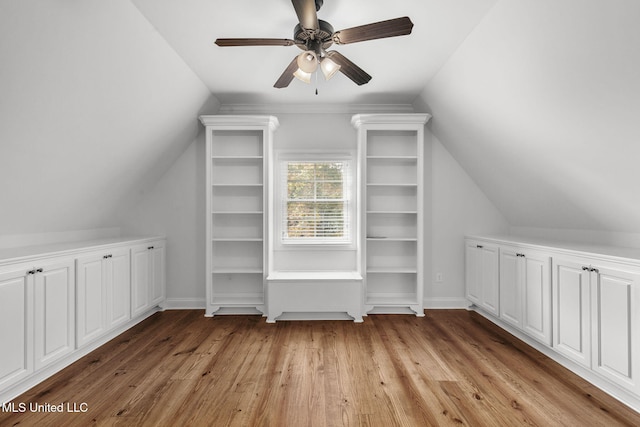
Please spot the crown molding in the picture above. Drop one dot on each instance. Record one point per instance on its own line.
(315, 108)
(240, 120)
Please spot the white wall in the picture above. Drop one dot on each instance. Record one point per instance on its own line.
(175, 208)
(311, 132)
(539, 105)
(94, 107)
(459, 208)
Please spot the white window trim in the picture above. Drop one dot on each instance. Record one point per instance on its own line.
(284, 156)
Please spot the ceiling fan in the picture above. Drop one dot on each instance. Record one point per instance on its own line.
(314, 36)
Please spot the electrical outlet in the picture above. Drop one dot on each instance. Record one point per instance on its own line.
(438, 277)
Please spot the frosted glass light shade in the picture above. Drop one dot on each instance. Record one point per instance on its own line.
(329, 68)
(308, 61)
(301, 75)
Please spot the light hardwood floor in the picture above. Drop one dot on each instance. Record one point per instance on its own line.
(451, 367)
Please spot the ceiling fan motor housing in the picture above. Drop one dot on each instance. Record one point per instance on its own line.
(320, 39)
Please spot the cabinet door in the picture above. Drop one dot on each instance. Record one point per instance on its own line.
(490, 280)
(482, 276)
(473, 272)
(16, 309)
(140, 279)
(54, 312)
(571, 313)
(536, 292)
(510, 286)
(119, 288)
(616, 325)
(91, 298)
(157, 273)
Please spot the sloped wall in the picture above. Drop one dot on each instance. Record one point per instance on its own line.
(94, 107)
(539, 105)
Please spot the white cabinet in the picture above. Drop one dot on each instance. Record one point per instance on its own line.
(391, 148)
(37, 317)
(482, 275)
(597, 317)
(57, 302)
(525, 291)
(54, 327)
(572, 307)
(103, 293)
(147, 276)
(581, 303)
(16, 325)
(237, 150)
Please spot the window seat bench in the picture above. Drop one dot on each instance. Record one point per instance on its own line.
(309, 295)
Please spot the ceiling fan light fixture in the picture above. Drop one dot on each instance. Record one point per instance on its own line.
(308, 61)
(329, 68)
(302, 76)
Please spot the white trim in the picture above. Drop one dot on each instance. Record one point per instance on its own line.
(241, 122)
(611, 389)
(390, 119)
(445, 303)
(314, 108)
(17, 389)
(314, 275)
(185, 304)
(277, 197)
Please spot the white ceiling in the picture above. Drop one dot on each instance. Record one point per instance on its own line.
(400, 66)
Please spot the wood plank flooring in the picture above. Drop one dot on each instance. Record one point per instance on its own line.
(451, 367)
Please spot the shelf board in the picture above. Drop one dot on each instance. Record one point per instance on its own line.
(237, 212)
(237, 239)
(383, 270)
(237, 270)
(237, 157)
(391, 239)
(237, 185)
(391, 300)
(393, 157)
(390, 184)
(238, 299)
(392, 212)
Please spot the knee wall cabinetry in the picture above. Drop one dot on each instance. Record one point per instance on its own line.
(582, 304)
(59, 302)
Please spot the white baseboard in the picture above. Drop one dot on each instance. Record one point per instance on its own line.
(603, 384)
(36, 378)
(184, 304)
(446, 303)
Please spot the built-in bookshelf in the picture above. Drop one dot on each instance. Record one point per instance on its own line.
(236, 171)
(391, 158)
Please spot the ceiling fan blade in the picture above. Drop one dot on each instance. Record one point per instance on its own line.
(349, 69)
(377, 30)
(287, 76)
(254, 42)
(306, 11)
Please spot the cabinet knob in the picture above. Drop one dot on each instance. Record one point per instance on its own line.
(479, 246)
(150, 247)
(39, 270)
(31, 272)
(585, 268)
(594, 270)
(106, 256)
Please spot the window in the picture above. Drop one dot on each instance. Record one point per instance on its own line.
(316, 205)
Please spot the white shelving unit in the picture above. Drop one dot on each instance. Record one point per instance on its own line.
(391, 150)
(236, 173)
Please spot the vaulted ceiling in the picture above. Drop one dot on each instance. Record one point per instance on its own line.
(400, 66)
(537, 100)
